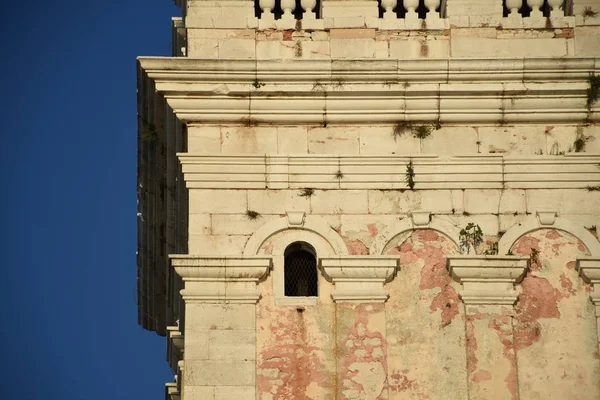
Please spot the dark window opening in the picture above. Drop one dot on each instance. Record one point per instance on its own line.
(300, 270)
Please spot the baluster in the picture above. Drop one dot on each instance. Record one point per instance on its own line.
(513, 7)
(267, 7)
(288, 8)
(535, 6)
(308, 6)
(432, 5)
(411, 9)
(388, 6)
(555, 10)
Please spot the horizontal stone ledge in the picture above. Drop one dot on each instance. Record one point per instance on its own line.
(191, 267)
(487, 268)
(162, 69)
(273, 171)
(359, 268)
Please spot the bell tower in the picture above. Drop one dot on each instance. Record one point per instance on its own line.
(360, 199)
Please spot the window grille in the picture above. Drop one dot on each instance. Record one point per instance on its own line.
(300, 270)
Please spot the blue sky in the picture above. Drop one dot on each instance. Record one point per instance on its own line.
(68, 168)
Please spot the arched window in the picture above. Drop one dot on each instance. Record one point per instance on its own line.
(300, 270)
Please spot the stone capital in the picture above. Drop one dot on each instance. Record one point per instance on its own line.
(589, 271)
(488, 279)
(359, 278)
(220, 279)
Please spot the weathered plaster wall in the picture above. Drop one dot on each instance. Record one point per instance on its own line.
(555, 333)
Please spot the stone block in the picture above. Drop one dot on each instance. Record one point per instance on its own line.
(292, 140)
(486, 47)
(450, 141)
(315, 49)
(482, 201)
(397, 202)
(235, 392)
(231, 245)
(237, 49)
(380, 140)
(266, 50)
(199, 224)
(277, 201)
(564, 202)
(213, 14)
(587, 41)
(199, 392)
(219, 373)
(196, 346)
(232, 344)
(249, 140)
(238, 224)
(512, 201)
(352, 48)
(339, 201)
(217, 201)
(203, 48)
(204, 139)
(411, 48)
(201, 317)
(512, 140)
(338, 140)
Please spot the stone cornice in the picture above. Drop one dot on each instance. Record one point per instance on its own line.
(359, 278)
(220, 279)
(375, 91)
(488, 279)
(274, 171)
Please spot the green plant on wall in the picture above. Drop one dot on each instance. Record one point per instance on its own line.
(307, 192)
(593, 91)
(410, 175)
(470, 237)
(252, 215)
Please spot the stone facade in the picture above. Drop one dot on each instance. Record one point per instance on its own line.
(440, 158)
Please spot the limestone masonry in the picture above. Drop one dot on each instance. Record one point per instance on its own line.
(369, 200)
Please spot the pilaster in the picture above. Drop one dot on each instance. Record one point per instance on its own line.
(489, 295)
(220, 298)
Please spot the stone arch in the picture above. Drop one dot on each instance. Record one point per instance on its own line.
(311, 224)
(531, 223)
(401, 226)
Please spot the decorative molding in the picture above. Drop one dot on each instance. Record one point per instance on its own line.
(546, 217)
(359, 278)
(531, 223)
(174, 346)
(506, 90)
(488, 279)
(311, 223)
(220, 279)
(295, 218)
(421, 218)
(405, 225)
(273, 171)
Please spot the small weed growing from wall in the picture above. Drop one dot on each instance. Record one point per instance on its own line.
(593, 188)
(399, 128)
(421, 131)
(591, 228)
(492, 249)
(252, 215)
(588, 13)
(339, 174)
(470, 237)
(510, 253)
(593, 91)
(257, 84)
(307, 192)
(534, 256)
(337, 84)
(298, 49)
(410, 175)
(149, 133)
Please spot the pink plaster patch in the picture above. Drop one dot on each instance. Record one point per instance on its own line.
(355, 247)
(553, 234)
(373, 231)
(481, 375)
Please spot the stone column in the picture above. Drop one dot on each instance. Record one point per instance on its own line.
(360, 322)
(489, 295)
(589, 270)
(219, 328)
